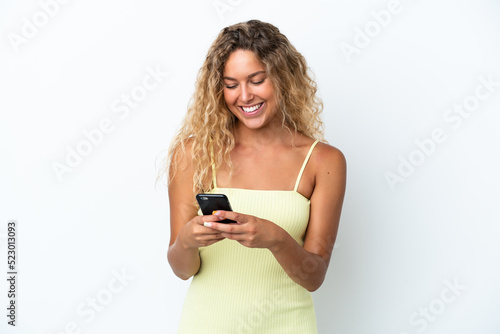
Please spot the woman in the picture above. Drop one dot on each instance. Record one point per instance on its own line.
(252, 132)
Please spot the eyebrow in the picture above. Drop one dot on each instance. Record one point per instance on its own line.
(249, 77)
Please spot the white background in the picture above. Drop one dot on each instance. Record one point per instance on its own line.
(398, 247)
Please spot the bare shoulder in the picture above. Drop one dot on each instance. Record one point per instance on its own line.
(327, 158)
(182, 151)
(329, 166)
(181, 171)
(182, 158)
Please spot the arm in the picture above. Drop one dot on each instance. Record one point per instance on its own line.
(306, 265)
(187, 232)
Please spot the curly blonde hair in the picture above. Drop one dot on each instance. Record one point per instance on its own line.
(208, 125)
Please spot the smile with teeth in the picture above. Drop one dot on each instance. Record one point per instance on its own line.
(252, 108)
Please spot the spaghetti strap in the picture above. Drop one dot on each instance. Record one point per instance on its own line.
(304, 165)
(214, 178)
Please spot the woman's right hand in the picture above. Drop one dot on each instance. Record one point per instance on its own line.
(183, 253)
(187, 233)
(194, 234)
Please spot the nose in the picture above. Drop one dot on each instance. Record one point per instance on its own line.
(246, 94)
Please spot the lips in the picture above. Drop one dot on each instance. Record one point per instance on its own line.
(251, 109)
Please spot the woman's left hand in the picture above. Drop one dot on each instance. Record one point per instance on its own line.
(249, 230)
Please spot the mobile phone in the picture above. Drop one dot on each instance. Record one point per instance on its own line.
(212, 202)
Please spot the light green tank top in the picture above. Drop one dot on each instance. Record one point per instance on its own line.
(245, 290)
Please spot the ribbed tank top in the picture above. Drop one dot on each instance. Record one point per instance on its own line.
(245, 290)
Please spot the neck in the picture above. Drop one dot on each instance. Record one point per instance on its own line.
(273, 133)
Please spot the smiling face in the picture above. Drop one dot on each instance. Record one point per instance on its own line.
(248, 91)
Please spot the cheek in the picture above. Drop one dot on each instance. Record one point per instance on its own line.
(267, 91)
(228, 97)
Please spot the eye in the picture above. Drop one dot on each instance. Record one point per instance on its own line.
(258, 82)
(230, 86)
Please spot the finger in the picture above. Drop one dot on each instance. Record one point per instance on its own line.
(210, 231)
(226, 228)
(208, 218)
(206, 230)
(208, 243)
(240, 237)
(216, 237)
(210, 237)
(238, 217)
